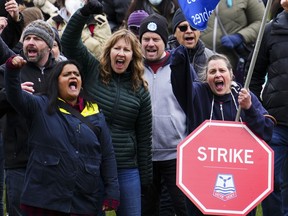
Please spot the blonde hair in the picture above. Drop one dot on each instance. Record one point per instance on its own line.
(136, 65)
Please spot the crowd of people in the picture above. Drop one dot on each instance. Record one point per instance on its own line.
(96, 95)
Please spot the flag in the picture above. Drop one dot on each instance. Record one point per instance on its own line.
(197, 12)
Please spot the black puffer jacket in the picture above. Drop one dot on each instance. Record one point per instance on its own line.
(273, 61)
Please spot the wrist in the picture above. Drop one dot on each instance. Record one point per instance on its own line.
(19, 18)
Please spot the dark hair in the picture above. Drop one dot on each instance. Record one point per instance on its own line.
(52, 90)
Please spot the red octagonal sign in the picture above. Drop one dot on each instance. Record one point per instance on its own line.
(224, 168)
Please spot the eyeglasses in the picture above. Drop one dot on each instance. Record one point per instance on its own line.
(183, 28)
(134, 29)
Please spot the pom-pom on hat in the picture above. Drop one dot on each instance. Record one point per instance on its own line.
(136, 18)
(155, 23)
(41, 29)
(177, 19)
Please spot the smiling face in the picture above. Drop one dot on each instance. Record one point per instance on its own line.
(186, 36)
(153, 47)
(69, 83)
(219, 77)
(121, 56)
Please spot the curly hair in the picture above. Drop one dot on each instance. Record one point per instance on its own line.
(136, 65)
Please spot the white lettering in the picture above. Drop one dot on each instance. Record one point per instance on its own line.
(190, 1)
(231, 155)
(202, 153)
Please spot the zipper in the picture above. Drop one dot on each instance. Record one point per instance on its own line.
(221, 110)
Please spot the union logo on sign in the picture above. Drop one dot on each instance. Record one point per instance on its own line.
(225, 188)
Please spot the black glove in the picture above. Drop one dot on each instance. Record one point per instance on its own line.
(92, 7)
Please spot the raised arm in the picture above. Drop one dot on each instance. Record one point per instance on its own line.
(20, 100)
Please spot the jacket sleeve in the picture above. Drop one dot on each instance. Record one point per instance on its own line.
(144, 139)
(12, 33)
(258, 120)
(5, 51)
(182, 77)
(261, 65)
(21, 101)
(108, 166)
(254, 13)
(73, 47)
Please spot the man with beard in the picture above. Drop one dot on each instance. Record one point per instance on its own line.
(38, 38)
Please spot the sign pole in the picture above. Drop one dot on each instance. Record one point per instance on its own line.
(255, 52)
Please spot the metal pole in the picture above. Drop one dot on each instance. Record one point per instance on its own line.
(255, 52)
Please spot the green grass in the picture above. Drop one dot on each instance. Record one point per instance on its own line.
(259, 211)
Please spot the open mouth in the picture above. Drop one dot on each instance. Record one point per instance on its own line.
(219, 85)
(32, 51)
(189, 39)
(73, 85)
(120, 62)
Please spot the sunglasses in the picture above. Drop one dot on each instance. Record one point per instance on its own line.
(134, 29)
(183, 28)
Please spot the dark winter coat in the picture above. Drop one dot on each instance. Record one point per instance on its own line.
(15, 130)
(68, 164)
(128, 113)
(197, 100)
(272, 61)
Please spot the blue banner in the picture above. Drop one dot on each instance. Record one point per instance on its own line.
(197, 12)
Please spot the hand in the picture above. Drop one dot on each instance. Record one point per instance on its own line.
(244, 99)
(12, 8)
(179, 56)
(92, 7)
(3, 23)
(28, 87)
(18, 62)
(284, 4)
(232, 41)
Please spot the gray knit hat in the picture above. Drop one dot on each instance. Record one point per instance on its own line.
(41, 29)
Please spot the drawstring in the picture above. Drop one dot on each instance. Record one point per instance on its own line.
(235, 105)
(212, 105)
(221, 108)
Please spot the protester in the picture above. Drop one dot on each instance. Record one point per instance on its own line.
(134, 21)
(57, 48)
(215, 97)
(162, 7)
(15, 23)
(271, 71)
(189, 37)
(232, 30)
(117, 84)
(94, 34)
(116, 11)
(67, 160)
(38, 39)
(5, 53)
(169, 122)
